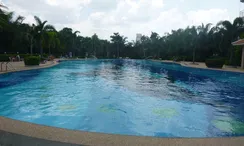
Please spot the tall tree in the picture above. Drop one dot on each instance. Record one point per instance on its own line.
(232, 32)
(41, 28)
(119, 41)
(30, 34)
(52, 40)
(94, 41)
(74, 36)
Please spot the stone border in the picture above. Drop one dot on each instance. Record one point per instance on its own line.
(32, 68)
(33, 134)
(184, 64)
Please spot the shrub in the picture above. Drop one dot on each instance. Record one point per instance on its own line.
(4, 57)
(45, 55)
(215, 62)
(32, 60)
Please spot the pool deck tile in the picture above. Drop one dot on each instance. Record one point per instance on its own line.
(20, 66)
(12, 130)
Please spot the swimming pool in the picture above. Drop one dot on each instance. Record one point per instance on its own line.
(128, 97)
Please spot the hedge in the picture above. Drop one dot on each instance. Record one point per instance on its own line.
(215, 62)
(32, 60)
(4, 58)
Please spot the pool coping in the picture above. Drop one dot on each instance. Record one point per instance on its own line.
(56, 62)
(73, 137)
(53, 63)
(184, 64)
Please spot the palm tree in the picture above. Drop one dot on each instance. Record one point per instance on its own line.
(41, 28)
(118, 40)
(52, 40)
(154, 43)
(232, 31)
(194, 42)
(216, 35)
(2, 20)
(74, 35)
(145, 42)
(204, 32)
(94, 40)
(30, 34)
(7, 18)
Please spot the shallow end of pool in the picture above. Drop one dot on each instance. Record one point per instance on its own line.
(13, 132)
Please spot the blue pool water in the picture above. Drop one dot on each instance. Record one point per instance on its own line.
(129, 97)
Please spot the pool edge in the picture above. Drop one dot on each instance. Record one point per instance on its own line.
(11, 130)
(199, 67)
(54, 63)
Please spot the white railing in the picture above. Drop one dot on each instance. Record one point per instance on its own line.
(6, 66)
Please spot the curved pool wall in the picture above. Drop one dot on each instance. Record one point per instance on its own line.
(129, 97)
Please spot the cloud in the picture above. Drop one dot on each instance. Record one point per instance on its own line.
(107, 16)
(206, 16)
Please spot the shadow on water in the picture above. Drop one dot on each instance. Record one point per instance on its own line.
(11, 79)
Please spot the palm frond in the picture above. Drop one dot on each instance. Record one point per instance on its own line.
(76, 32)
(19, 19)
(38, 20)
(2, 6)
(219, 23)
(10, 16)
(208, 25)
(238, 22)
(227, 25)
(49, 28)
(3, 22)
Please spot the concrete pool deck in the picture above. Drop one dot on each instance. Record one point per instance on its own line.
(20, 66)
(202, 65)
(18, 133)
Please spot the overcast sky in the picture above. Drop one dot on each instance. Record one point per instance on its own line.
(127, 17)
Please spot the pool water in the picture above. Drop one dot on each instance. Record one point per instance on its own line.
(128, 97)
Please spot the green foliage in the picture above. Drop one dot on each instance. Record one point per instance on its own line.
(215, 62)
(193, 43)
(32, 60)
(4, 58)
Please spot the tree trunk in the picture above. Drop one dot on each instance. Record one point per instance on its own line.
(117, 50)
(107, 51)
(31, 46)
(49, 49)
(231, 55)
(158, 53)
(41, 49)
(73, 48)
(220, 44)
(194, 55)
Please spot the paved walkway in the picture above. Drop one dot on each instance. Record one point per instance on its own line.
(203, 66)
(19, 66)
(18, 133)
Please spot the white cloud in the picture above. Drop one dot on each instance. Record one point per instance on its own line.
(68, 3)
(107, 16)
(207, 16)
